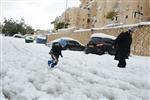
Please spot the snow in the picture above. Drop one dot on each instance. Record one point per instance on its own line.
(64, 38)
(41, 37)
(18, 35)
(122, 26)
(114, 24)
(66, 29)
(82, 30)
(25, 75)
(102, 35)
(29, 37)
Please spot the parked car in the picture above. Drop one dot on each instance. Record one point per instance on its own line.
(41, 39)
(100, 43)
(71, 44)
(29, 39)
(18, 36)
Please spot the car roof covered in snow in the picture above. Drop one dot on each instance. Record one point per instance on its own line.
(17, 35)
(103, 35)
(64, 38)
(41, 37)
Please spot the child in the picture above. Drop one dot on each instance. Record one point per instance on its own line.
(55, 52)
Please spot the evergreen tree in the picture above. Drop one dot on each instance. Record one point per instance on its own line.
(61, 25)
(58, 24)
(12, 27)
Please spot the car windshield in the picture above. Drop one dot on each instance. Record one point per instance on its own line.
(108, 40)
(99, 39)
(96, 39)
(73, 43)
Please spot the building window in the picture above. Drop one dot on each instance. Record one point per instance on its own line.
(115, 18)
(88, 20)
(126, 17)
(137, 14)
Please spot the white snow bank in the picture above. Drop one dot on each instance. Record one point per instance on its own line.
(25, 75)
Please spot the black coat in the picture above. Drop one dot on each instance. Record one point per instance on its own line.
(122, 45)
(56, 50)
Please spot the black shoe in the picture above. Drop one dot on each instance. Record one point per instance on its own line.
(121, 66)
(52, 66)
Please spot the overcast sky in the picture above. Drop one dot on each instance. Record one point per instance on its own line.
(37, 13)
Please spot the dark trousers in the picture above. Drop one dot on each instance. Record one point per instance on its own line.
(55, 58)
(122, 63)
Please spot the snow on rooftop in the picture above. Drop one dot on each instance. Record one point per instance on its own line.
(41, 37)
(103, 35)
(65, 38)
(122, 26)
(66, 29)
(82, 30)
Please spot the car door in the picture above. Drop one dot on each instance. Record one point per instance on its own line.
(73, 45)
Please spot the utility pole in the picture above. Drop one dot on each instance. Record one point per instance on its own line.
(65, 12)
(66, 9)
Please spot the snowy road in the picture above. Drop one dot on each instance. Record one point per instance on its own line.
(25, 75)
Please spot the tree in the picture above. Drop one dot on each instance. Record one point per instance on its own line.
(9, 27)
(61, 25)
(29, 30)
(12, 27)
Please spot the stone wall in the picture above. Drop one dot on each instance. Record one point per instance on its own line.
(82, 36)
(141, 38)
(140, 43)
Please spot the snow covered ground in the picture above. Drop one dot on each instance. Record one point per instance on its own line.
(25, 75)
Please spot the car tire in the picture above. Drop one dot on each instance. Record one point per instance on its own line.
(111, 52)
(101, 52)
(86, 51)
(68, 48)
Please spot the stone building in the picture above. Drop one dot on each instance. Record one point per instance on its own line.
(76, 17)
(94, 13)
(128, 12)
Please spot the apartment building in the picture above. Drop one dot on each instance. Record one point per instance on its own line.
(94, 13)
(76, 17)
(128, 12)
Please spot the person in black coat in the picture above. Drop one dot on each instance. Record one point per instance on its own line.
(122, 46)
(55, 52)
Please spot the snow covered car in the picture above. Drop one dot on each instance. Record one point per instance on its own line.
(18, 36)
(100, 43)
(71, 44)
(41, 39)
(29, 39)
